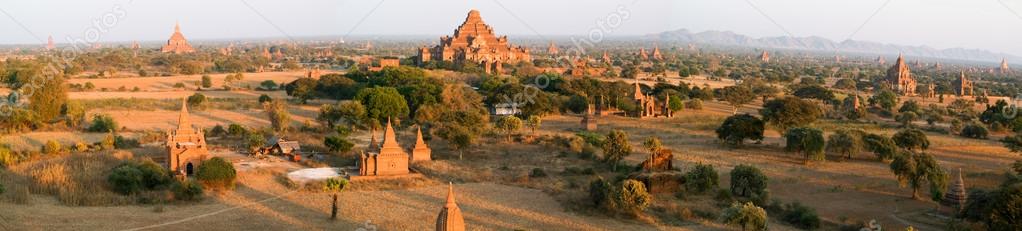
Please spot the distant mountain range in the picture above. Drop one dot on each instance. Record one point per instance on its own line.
(814, 43)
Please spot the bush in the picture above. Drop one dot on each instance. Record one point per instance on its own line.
(702, 178)
(52, 147)
(599, 193)
(265, 98)
(216, 173)
(187, 190)
(975, 131)
(801, 216)
(154, 176)
(748, 181)
(696, 104)
(335, 184)
(217, 131)
(537, 172)
(2, 188)
(102, 123)
(126, 179)
(632, 197)
(747, 216)
(120, 142)
(132, 177)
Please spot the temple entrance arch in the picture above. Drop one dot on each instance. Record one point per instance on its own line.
(189, 169)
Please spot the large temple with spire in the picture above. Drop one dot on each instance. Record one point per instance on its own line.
(387, 160)
(900, 78)
(177, 43)
(186, 146)
(474, 41)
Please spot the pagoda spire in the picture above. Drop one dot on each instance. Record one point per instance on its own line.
(389, 139)
(183, 124)
(450, 218)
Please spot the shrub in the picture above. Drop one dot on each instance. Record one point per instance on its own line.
(103, 123)
(2, 188)
(702, 178)
(801, 216)
(153, 175)
(335, 184)
(218, 131)
(216, 173)
(537, 172)
(696, 104)
(975, 131)
(748, 181)
(52, 147)
(747, 216)
(265, 98)
(187, 190)
(120, 142)
(126, 179)
(599, 193)
(845, 142)
(632, 197)
(236, 130)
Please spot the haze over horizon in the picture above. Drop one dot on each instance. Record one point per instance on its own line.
(936, 23)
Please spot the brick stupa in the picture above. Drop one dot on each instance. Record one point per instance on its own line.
(421, 152)
(177, 43)
(449, 218)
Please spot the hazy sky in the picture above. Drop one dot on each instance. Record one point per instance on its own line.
(984, 24)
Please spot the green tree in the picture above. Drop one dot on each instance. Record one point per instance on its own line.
(197, 101)
(207, 82)
(534, 122)
(383, 103)
(279, 116)
(917, 169)
(736, 96)
(1014, 143)
(790, 112)
(653, 144)
(701, 178)
(616, 147)
(737, 128)
(268, 85)
(911, 139)
(806, 141)
(907, 118)
(886, 99)
(46, 96)
(882, 146)
(103, 123)
(845, 142)
(510, 125)
(303, 89)
(748, 216)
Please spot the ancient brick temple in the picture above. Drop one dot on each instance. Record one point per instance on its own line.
(421, 152)
(474, 41)
(390, 160)
(656, 54)
(956, 195)
(963, 86)
(589, 118)
(899, 77)
(49, 43)
(648, 104)
(1004, 66)
(449, 218)
(177, 43)
(186, 146)
(765, 57)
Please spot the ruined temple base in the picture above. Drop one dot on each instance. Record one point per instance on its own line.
(661, 182)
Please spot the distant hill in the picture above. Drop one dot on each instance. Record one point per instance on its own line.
(822, 44)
